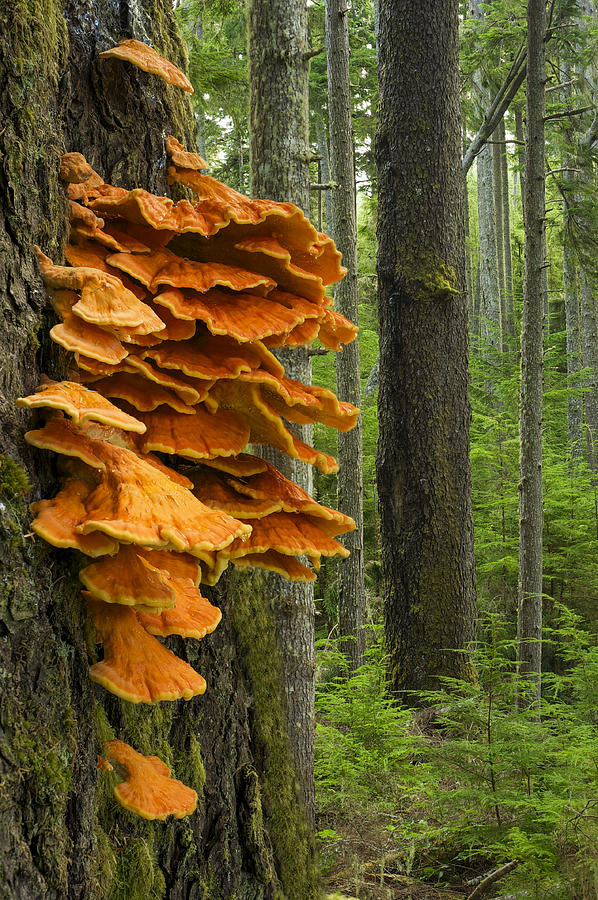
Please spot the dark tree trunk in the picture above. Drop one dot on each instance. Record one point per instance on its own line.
(423, 453)
(278, 95)
(62, 834)
(529, 629)
(351, 600)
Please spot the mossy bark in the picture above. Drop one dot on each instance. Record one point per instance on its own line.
(351, 597)
(62, 833)
(423, 465)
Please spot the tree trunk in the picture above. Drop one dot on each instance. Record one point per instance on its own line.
(574, 401)
(351, 600)
(325, 168)
(589, 353)
(468, 269)
(62, 833)
(509, 320)
(529, 654)
(489, 228)
(499, 226)
(278, 96)
(424, 477)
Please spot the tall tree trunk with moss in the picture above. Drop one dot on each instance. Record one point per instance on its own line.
(278, 95)
(424, 478)
(529, 629)
(351, 600)
(62, 832)
(488, 168)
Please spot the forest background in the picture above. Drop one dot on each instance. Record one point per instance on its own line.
(478, 783)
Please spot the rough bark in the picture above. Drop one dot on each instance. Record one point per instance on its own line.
(62, 835)
(351, 600)
(529, 652)
(278, 97)
(423, 453)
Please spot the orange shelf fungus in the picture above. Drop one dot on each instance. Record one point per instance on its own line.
(144, 395)
(170, 310)
(78, 336)
(182, 157)
(181, 565)
(286, 566)
(149, 60)
(63, 437)
(134, 502)
(205, 434)
(129, 579)
(104, 300)
(148, 788)
(136, 666)
(81, 404)
(241, 316)
(192, 617)
(58, 521)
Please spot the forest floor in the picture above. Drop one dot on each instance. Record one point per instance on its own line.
(363, 865)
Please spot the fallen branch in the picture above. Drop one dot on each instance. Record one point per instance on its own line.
(490, 879)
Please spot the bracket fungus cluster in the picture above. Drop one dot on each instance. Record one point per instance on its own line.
(172, 311)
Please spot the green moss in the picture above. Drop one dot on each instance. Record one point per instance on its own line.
(293, 843)
(39, 759)
(14, 481)
(137, 875)
(190, 768)
(426, 275)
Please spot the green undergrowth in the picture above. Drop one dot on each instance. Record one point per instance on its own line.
(481, 783)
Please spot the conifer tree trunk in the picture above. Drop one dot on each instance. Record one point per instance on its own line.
(325, 167)
(509, 319)
(499, 225)
(574, 402)
(468, 268)
(589, 353)
(490, 287)
(62, 834)
(529, 654)
(571, 303)
(351, 601)
(278, 84)
(423, 453)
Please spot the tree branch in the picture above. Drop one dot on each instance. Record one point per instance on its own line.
(311, 53)
(568, 112)
(497, 109)
(483, 886)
